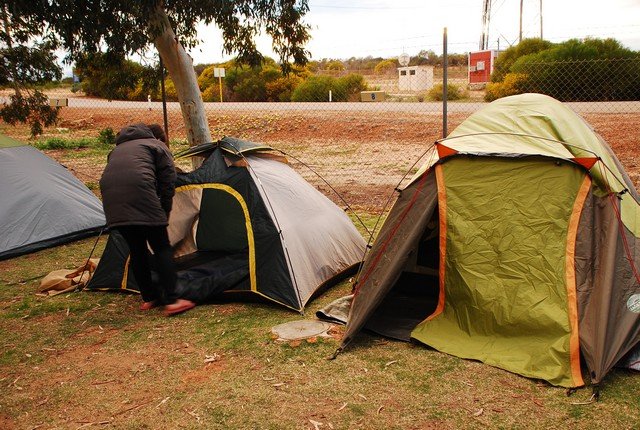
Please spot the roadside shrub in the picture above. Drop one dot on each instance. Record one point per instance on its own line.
(281, 89)
(574, 70)
(249, 84)
(170, 90)
(514, 83)
(348, 87)
(454, 92)
(207, 78)
(507, 58)
(314, 89)
(212, 93)
(385, 67)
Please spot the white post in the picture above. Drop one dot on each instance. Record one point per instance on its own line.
(149, 101)
(329, 95)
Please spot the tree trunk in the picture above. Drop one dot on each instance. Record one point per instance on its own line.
(180, 67)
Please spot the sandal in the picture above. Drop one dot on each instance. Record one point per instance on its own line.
(181, 305)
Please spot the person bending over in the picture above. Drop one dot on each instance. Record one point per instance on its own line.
(137, 188)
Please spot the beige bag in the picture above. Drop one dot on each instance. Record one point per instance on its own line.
(63, 280)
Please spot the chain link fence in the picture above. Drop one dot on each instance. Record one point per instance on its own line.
(358, 151)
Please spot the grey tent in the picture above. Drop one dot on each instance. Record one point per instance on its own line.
(41, 203)
(246, 223)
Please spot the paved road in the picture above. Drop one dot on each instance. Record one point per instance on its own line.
(392, 107)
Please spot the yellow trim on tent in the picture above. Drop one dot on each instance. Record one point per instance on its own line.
(125, 275)
(570, 276)
(247, 222)
(442, 215)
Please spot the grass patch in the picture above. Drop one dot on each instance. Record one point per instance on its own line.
(98, 359)
(53, 143)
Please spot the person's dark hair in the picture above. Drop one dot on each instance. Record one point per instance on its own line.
(158, 132)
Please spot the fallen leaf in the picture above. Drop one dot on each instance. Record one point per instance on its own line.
(316, 424)
(211, 358)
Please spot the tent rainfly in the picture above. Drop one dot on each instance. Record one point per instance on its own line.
(516, 244)
(41, 203)
(246, 222)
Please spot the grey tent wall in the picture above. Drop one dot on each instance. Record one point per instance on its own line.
(399, 235)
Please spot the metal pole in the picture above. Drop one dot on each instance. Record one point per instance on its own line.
(520, 38)
(445, 78)
(220, 85)
(541, 37)
(164, 101)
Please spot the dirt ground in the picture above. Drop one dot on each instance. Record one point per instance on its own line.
(360, 155)
(91, 361)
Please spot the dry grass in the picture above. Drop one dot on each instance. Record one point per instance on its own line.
(91, 360)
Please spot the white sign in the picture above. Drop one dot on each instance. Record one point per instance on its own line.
(218, 72)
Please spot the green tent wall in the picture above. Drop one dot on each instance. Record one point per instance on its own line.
(516, 244)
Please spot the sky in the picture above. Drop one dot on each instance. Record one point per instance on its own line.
(388, 28)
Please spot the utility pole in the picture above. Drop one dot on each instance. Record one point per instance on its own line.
(486, 17)
(520, 37)
(541, 20)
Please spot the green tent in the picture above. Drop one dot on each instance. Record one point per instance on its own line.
(516, 244)
(245, 223)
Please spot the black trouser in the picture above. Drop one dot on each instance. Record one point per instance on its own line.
(137, 237)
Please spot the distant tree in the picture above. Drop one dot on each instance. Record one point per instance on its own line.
(249, 83)
(126, 27)
(107, 76)
(335, 65)
(313, 66)
(199, 68)
(507, 58)
(386, 67)
(575, 70)
(26, 60)
(583, 70)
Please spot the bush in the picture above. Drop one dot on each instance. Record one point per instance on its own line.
(589, 70)
(211, 94)
(281, 89)
(575, 70)
(386, 67)
(58, 143)
(314, 89)
(507, 58)
(514, 83)
(170, 90)
(454, 92)
(108, 76)
(107, 136)
(348, 87)
(335, 65)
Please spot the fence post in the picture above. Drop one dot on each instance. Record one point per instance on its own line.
(164, 101)
(445, 78)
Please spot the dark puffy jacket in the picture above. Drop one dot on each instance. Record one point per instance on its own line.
(138, 183)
